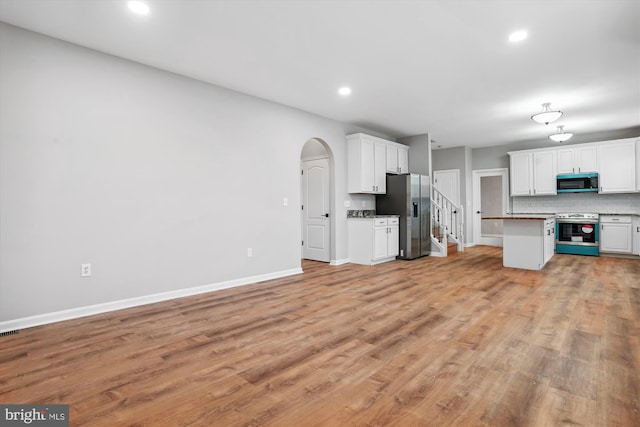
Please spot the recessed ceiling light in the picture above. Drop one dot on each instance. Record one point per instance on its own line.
(138, 7)
(517, 36)
(344, 91)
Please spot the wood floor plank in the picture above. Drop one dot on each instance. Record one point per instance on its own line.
(457, 341)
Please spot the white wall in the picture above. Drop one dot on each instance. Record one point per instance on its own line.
(159, 181)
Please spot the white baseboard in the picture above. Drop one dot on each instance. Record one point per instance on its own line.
(74, 313)
(436, 254)
(340, 261)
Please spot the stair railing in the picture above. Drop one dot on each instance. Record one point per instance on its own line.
(447, 219)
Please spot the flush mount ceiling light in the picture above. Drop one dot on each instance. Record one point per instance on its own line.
(547, 115)
(560, 135)
(138, 7)
(344, 91)
(517, 36)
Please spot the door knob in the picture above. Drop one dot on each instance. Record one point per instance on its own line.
(326, 215)
(479, 212)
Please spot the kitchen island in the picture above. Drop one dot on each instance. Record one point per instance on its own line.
(528, 240)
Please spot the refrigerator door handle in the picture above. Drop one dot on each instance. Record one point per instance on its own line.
(415, 209)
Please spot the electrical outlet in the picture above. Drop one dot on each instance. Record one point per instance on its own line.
(249, 252)
(85, 270)
(285, 202)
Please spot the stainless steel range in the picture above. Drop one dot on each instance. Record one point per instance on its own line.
(577, 233)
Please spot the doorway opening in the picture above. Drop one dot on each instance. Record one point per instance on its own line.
(448, 182)
(316, 180)
(490, 199)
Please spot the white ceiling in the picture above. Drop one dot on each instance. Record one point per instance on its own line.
(442, 67)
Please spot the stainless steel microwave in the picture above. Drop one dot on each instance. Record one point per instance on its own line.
(577, 183)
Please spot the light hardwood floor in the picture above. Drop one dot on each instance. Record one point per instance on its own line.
(459, 341)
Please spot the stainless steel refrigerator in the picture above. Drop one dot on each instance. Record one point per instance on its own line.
(410, 197)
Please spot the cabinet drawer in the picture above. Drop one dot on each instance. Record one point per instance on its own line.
(617, 219)
(379, 221)
(393, 221)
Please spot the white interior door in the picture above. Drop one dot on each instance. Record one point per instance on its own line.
(316, 225)
(490, 198)
(448, 182)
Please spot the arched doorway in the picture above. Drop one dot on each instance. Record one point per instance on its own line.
(316, 180)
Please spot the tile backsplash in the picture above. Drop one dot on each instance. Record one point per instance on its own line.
(579, 202)
(363, 213)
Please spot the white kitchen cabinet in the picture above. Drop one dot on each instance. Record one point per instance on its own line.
(366, 168)
(549, 239)
(577, 159)
(616, 234)
(373, 240)
(617, 166)
(397, 158)
(638, 164)
(544, 173)
(526, 243)
(533, 173)
(521, 173)
(393, 239)
(636, 235)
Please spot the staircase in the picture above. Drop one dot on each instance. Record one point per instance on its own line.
(447, 223)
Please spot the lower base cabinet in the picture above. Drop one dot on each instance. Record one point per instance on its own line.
(549, 240)
(616, 234)
(528, 244)
(373, 240)
(636, 234)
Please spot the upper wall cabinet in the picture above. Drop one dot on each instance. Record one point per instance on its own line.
(366, 164)
(577, 159)
(638, 172)
(617, 166)
(397, 158)
(533, 173)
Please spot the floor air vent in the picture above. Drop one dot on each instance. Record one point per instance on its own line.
(4, 334)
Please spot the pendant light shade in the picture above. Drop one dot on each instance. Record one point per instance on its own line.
(560, 135)
(547, 115)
